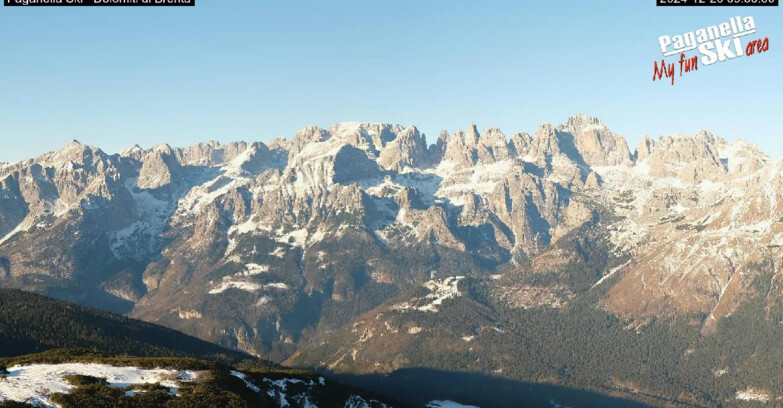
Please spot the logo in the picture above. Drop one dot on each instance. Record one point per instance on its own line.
(707, 46)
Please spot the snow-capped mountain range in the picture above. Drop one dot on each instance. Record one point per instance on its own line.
(262, 247)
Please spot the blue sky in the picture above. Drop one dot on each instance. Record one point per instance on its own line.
(258, 69)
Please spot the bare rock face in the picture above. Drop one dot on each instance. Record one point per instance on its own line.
(209, 154)
(157, 169)
(408, 149)
(545, 142)
(644, 149)
(73, 196)
(310, 134)
(352, 165)
(468, 148)
(595, 144)
(434, 227)
(15, 209)
(689, 159)
(493, 147)
(460, 149)
(438, 150)
(409, 198)
(593, 180)
(520, 145)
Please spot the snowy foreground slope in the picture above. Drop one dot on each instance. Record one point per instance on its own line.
(448, 404)
(84, 357)
(36, 384)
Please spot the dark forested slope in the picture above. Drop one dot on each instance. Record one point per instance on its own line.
(31, 323)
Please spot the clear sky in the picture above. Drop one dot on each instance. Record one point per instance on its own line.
(258, 69)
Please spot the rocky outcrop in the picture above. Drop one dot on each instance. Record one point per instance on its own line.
(408, 149)
(687, 158)
(595, 144)
(157, 169)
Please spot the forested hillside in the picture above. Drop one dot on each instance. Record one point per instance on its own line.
(31, 323)
(89, 358)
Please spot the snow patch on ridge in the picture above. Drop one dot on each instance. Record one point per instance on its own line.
(24, 226)
(242, 377)
(440, 290)
(752, 394)
(294, 238)
(356, 401)
(611, 273)
(36, 383)
(480, 179)
(447, 404)
(200, 196)
(252, 269)
(228, 283)
(139, 239)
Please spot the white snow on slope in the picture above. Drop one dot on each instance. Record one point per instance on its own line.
(23, 226)
(448, 404)
(242, 376)
(234, 167)
(254, 269)
(294, 238)
(752, 394)
(440, 290)
(138, 239)
(278, 390)
(226, 285)
(188, 314)
(610, 274)
(356, 401)
(246, 286)
(202, 195)
(36, 383)
(480, 179)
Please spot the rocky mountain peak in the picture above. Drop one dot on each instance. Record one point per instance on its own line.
(134, 152)
(545, 141)
(460, 149)
(438, 149)
(472, 135)
(470, 147)
(645, 148)
(493, 146)
(582, 122)
(163, 148)
(158, 168)
(705, 137)
(408, 149)
(688, 158)
(595, 144)
(370, 137)
(742, 157)
(521, 144)
(73, 152)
